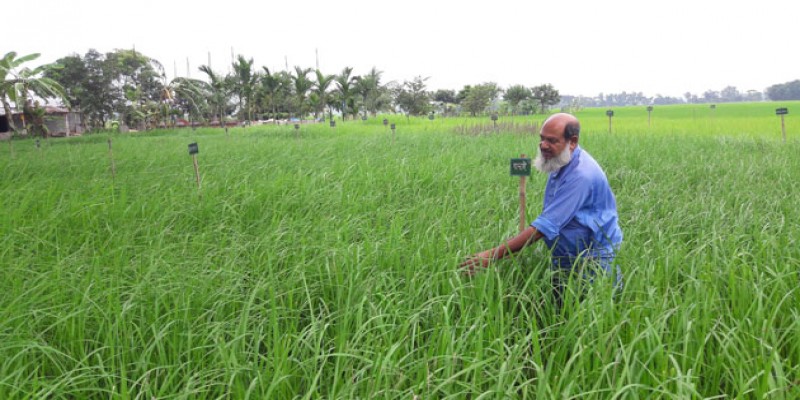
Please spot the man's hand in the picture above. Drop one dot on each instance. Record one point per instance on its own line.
(471, 265)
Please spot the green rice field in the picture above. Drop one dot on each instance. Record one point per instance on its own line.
(322, 263)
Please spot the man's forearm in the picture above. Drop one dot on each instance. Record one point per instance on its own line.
(517, 243)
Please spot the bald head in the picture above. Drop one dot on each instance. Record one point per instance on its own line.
(565, 123)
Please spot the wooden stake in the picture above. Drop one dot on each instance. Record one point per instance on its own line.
(111, 156)
(522, 200)
(196, 170)
(783, 129)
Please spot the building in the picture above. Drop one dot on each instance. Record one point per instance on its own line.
(60, 122)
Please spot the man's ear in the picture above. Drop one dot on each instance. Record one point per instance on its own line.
(573, 143)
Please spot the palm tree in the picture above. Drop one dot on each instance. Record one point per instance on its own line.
(19, 84)
(271, 86)
(244, 86)
(218, 96)
(369, 87)
(301, 87)
(343, 83)
(321, 89)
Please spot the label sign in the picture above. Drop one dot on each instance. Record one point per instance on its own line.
(649, 108)
(494, 117)
(333, 124)
(520, 167)
(610, 113)
(713, 106)
(392, 126)
(193, 149)
(385, 122)
(781, 111)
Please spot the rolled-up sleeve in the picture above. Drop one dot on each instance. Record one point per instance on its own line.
(562, 207)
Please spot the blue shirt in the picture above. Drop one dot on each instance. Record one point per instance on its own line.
(579, 218)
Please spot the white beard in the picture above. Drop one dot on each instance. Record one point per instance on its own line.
(553, 164)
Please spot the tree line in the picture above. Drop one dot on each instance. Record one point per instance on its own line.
(129, 87)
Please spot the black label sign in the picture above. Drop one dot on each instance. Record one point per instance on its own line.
(781, 111)
(193, 149)
(520, 167)
(393, 126)
(610, 113)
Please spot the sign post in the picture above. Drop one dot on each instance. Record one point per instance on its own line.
(494, 120)
(610, 114)
(393, 128)
(782, 111)
(333, 123)
(649, 111)
(193, 150)
(521, 167)
(111, 157)
(296, 130)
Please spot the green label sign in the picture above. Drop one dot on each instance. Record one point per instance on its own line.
(781, 111)
(193, 149)
(520, 167)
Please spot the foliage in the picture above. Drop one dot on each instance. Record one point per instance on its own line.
(322, 90)
(217, 93)
(344, 83)
(243, 86)
(516, 94)
(546, 95)
(20, 83)
(274, 92)
(785, 91)
(445, 96)
(479, 97)
(116, 83)
(302, 86)
(412, 98)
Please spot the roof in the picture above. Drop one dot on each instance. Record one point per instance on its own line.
(47, 110)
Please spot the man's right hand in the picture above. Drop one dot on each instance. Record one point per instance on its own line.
(471, 265)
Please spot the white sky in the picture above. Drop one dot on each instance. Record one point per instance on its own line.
(583, 47)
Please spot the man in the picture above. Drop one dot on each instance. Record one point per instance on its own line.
(579, 219)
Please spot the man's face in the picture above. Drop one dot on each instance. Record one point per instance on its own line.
(552, 142)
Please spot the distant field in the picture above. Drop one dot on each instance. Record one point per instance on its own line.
(323, 263)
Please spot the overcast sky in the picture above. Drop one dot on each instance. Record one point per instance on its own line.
(580, 46)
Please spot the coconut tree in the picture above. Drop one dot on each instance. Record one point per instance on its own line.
(18, 83)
